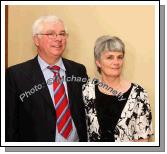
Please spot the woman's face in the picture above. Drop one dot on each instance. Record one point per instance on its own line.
(110, 63)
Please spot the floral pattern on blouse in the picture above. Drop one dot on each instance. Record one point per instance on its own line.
(135, 121)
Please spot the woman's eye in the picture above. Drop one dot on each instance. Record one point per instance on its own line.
(110, 57)
(120, 57)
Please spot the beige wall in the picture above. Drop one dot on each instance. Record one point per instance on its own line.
(133, 24)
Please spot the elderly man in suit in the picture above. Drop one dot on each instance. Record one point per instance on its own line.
(41, 104)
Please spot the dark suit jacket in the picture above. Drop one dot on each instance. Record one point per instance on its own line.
(33, 119)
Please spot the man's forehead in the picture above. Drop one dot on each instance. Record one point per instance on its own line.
(53, 23)
(53, 26)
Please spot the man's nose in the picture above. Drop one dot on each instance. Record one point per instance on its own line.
(57, 37)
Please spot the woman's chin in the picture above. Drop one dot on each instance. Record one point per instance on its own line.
(115, 75)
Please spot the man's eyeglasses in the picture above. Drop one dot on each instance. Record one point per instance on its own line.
(62, 35)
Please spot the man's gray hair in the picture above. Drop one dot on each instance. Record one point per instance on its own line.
(108, 43)
(38, 24)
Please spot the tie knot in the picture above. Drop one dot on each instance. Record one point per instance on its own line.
(54, 68)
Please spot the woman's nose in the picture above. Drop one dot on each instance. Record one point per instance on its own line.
(115, 61)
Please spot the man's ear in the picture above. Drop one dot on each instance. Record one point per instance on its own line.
(36, 40)
(98, 63)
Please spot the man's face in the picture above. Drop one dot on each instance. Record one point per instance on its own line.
(51, 42)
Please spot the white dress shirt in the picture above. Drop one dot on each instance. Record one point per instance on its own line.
(48, 74)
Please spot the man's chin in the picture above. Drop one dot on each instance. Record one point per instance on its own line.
(57, 53)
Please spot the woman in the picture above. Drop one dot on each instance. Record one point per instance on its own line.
(117, 110)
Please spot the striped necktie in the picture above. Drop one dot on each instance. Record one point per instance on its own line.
(63, 115)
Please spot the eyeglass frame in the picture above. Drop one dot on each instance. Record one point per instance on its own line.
(54, 35)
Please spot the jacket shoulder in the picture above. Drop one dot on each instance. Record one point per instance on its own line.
(72, 63)
(20, 66)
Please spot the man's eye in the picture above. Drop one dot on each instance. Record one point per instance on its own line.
(50, 34)
(62, 34)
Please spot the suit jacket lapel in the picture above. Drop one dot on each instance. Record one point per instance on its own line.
(69, 84)
(71, 94)
(38, 78)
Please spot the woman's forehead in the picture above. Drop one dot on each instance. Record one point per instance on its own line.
(113, 52)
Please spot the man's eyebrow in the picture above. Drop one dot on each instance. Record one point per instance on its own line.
(52, 31)
(62, 31)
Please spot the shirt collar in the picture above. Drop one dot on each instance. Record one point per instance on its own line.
(44, 65)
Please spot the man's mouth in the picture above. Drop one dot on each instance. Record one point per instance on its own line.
(56, 46)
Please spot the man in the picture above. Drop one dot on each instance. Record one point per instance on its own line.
(39, 108)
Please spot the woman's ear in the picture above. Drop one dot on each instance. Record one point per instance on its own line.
(98, 63)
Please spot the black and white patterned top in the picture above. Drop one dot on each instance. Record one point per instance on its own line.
(135, 121)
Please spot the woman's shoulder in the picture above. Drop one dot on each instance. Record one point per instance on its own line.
(128, 83)
(138, 87)
(88, 89)
(88, 86)
(138, 92)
